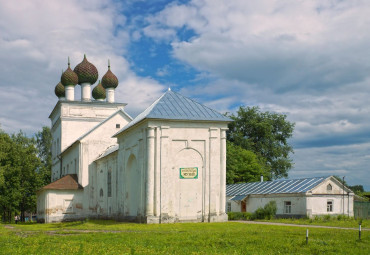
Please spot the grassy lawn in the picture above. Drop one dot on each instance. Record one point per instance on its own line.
(332, 222)
(185, 238)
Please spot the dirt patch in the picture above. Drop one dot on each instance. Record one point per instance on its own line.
(79, 231)
(8, 227)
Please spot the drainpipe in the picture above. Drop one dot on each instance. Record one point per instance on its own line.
(61, 164)
(348, 203)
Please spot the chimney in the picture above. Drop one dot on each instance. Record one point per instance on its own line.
(261, 178)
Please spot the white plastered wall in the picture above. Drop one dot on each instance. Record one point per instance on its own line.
(70, 120)
(101, 205)
(59, 205)
(342, 201)
(163, 147)
(253, 202)
(89, 149)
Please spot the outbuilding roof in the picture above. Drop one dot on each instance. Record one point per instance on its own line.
(239, 191)
(68, 182)
(174, 106)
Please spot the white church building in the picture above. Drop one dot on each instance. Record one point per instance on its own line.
(166, 165)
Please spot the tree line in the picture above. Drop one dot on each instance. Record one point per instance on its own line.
(25, 166)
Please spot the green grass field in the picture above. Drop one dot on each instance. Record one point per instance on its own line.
(323, 221)
(108, 237)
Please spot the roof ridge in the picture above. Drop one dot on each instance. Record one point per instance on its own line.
(174, 106)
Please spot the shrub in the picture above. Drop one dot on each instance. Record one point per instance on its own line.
(239, 215)
(326, 217)
(247, 215)
(268, 212)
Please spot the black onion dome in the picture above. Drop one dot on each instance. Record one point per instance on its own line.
(109, 80)
(99, 92)
(86, 72)
(59, 90)
(69, 77)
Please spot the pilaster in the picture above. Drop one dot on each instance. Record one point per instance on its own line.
(150, 172)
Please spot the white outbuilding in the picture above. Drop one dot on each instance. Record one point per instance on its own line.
(306, 197)
(166, 165)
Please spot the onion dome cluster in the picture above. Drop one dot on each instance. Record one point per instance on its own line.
(98, 92)
(69, 78)
(109, 80)
(86, 72)
(59, 90)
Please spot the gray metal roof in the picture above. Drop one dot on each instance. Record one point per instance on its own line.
(174, 106)
(108, 151)
(274, 187)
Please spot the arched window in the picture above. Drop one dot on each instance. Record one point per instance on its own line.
(101, 192)
(329, 187)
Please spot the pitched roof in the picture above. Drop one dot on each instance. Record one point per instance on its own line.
(273, 187)
(96, 127)
(174, 106)
(67, 182)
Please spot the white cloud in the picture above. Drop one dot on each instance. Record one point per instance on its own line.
(307, 59)
(35, 39)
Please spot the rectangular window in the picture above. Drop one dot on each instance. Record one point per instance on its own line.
(329, 206)
(287, 207)
(228, 209)
(109, 184)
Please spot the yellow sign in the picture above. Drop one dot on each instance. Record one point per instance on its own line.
(189, 173)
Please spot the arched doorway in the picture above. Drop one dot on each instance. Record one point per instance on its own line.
(133, 186)
(190, 188)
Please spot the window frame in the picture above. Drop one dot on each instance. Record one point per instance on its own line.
(329, 187)
(287, 207)
(329, 206)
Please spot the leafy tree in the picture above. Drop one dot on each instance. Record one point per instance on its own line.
(242, 165)
(20, 180)
(265, 134)
(9, 185)
(43, 144)
(357, 189)
(27, 163)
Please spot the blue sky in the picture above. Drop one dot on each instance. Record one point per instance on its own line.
(307, 59)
